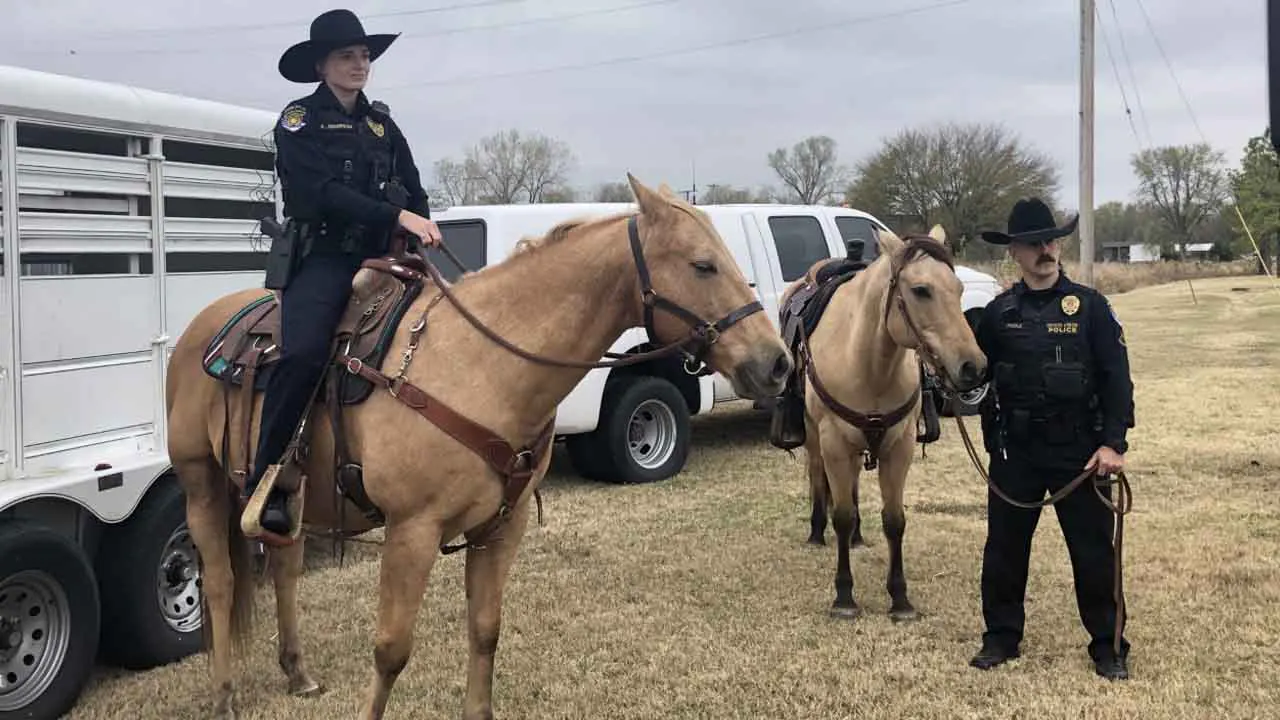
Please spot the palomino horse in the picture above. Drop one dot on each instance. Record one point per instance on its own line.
(862, 388)
(567, 295)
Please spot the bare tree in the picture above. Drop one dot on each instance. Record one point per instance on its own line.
(1184, 184)
(453, 184)
(614, 192)
(966, 177)
(724, 194)
(809, 168)
(547, 164)
(507, 167)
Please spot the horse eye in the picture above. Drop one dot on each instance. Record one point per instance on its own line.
(922, 292)
(704, 267)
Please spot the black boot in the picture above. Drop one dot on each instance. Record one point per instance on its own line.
(275, 513)
(1109, 665)
(993, 654)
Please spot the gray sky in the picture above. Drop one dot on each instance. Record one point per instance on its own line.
(855, 70)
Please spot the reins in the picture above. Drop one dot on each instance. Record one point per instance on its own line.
(1122, 505)
(702, 334)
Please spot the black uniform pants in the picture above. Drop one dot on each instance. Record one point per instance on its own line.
(311, 306)
(1087, 526)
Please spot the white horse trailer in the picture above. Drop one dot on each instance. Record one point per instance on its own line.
(124, 212)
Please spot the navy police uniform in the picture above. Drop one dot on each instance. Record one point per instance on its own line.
(1061, 389)
(344, 176)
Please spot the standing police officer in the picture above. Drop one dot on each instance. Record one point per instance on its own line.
(1062, 403)
(348, 182)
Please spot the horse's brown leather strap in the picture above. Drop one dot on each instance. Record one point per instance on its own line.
(874, 426)
(515, 466)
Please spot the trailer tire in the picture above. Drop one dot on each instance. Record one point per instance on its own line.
(46, 585)
(150, 575)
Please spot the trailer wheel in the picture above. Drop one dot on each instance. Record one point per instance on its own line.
(49, 621)
(150, 575)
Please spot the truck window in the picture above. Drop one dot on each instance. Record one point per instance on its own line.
(466, 240)
(800, 243)
(862, 229)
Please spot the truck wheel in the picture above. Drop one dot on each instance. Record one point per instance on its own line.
(150, 575)
(644, 429)
(49, 621)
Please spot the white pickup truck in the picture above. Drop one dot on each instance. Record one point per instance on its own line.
(632, 424)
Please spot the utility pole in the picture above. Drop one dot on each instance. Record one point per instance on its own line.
(1085, 228)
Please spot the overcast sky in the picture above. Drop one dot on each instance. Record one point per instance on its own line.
(652, 86)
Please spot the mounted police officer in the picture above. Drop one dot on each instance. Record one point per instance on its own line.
(1062, 403)
(348, 181)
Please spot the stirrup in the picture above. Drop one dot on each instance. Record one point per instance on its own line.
(251, 518)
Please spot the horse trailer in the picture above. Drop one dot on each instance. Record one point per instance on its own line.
(124, 212)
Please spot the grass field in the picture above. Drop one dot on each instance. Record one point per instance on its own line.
(697, 598)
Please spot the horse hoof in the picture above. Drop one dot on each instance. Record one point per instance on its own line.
(904, 615)
(306, 689)
(816, 542)
(845, 613)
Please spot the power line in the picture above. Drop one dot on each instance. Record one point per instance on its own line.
(404, 38)
(1133, 78)
(1172, 74)
(681, 51)
(291, 23)
(1124, 100)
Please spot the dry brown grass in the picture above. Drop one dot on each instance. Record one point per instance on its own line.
(698, 597)
(1114, 278)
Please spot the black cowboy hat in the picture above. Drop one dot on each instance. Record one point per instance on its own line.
(330, 30)
(1030, 221)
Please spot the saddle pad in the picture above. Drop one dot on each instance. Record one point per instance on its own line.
(217, 356)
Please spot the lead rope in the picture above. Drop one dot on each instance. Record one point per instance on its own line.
(1122, 505)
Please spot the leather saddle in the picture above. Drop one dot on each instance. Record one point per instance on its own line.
(247, 348)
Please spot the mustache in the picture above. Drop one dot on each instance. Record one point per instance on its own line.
(1044, 259)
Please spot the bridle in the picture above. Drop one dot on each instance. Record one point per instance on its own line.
(918, 245)
(702, 336)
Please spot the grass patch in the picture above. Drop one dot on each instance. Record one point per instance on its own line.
(699, 598)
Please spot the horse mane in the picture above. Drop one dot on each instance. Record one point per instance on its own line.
(531, 243)
(914, 246)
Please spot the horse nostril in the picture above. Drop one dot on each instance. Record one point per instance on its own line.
(968, 373)
(781, 366)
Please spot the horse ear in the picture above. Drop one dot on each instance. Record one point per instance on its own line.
(665, 191)
(938, 234)
(651, 203)
(887, 240)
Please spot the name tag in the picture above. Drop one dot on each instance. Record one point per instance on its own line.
(337, 126)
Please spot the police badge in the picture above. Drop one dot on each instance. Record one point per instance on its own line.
(375, 126)
(294, 118)
(1070, 304)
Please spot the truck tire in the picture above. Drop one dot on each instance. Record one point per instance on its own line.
(150, 584)
(49, 621)
(644, 430)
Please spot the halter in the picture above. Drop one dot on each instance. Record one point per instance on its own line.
(928, 246)
(703, 334)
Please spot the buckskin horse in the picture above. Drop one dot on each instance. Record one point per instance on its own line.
(858, 332)
(460, 440)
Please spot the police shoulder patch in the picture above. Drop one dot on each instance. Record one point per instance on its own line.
(294, 117)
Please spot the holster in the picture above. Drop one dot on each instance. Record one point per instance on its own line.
(285, 254)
